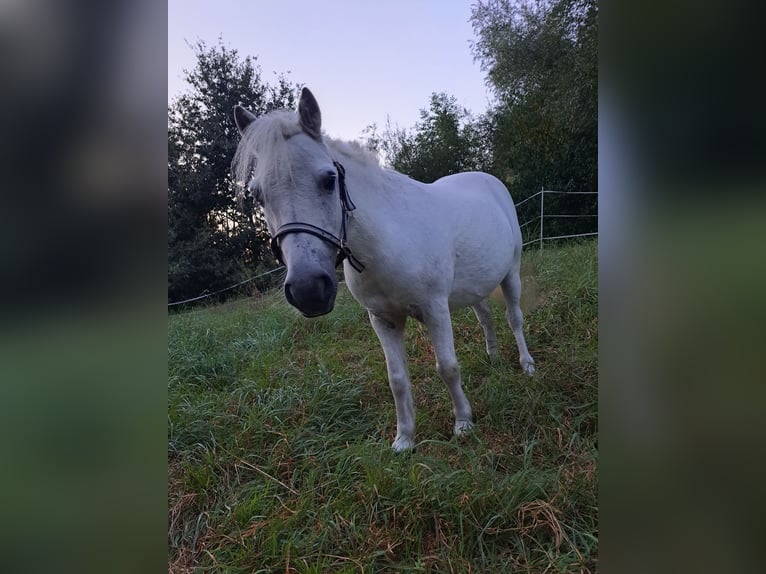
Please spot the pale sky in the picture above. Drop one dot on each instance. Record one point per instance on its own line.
(362, 59)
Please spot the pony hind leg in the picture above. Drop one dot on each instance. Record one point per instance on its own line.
(511, 286)
(390, 332)
(484, 315)
(439, 323)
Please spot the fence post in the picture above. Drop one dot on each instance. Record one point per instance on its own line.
(542, 200)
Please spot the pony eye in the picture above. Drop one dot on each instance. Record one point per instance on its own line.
(328, 182)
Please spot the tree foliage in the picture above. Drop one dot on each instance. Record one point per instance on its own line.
(541, 62)
(210, 242)
(446, 140)
(541, 57)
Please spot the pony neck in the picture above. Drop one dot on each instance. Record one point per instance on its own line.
(364, 176)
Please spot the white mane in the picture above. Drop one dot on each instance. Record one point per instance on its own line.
(262, 153)
(353, 151)
(264, 139)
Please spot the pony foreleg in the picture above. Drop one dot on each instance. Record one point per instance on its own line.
(390, 331)
(484, 315)
(439, 326)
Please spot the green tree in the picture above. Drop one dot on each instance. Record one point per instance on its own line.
(541, 57)
(212, 244)
(446, 140)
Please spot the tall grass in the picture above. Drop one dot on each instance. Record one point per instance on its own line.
(279, 432)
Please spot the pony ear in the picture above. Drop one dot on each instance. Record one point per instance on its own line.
(310, 116)
(242, 118)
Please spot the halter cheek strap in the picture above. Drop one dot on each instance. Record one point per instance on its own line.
(340, 243)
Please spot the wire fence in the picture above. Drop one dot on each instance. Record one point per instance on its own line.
(533, 233)
(536, 235)
(214, 293)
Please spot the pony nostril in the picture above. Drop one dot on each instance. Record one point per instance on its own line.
(321, 289)
(326, 285)
(312, 295)
(289, 293)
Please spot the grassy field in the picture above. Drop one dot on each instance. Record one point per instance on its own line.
(279, 432)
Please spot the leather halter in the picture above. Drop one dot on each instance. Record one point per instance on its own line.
(340, 243)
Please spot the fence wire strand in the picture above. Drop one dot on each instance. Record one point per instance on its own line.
(214, 293)
(542, 216)
(532, 220)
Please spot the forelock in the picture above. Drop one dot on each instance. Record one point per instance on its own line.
(262, 151)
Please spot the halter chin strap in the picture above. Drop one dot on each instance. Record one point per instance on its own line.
(340, 243)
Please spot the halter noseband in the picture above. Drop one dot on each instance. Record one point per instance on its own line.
(344, 252)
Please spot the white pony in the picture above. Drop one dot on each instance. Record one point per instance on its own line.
(410, 249)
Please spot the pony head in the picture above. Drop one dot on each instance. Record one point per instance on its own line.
(289, 171)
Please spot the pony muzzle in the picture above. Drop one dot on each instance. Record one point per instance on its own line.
(312, 294)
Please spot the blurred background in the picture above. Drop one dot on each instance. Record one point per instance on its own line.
(82, 337)
(682, 143)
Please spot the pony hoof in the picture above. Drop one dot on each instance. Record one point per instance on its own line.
(462, 427)
(402, 444)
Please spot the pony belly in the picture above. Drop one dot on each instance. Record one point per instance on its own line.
(459, 299)
(473, 290)
(475, 280)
